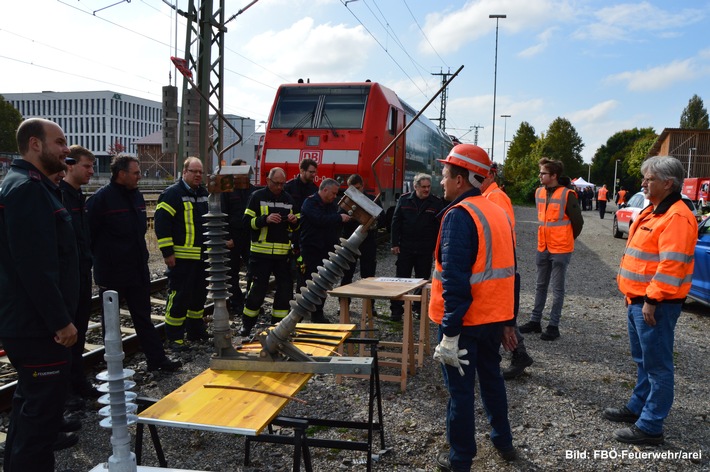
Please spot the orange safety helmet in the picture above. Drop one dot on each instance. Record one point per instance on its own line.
(472, 158)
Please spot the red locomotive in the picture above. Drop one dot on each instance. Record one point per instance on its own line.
(344, 127)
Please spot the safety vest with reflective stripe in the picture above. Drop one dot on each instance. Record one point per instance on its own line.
(269, 239)
(179, 221)
(659, 257)
(554, 232)
(500, 198)
(493, 272)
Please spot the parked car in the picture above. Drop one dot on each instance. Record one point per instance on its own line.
(700, 287)
(624, 217)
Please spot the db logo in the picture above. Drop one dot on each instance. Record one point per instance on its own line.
(315, 155)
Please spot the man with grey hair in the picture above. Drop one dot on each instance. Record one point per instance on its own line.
(655, 276)
(271, 218)
(414, 230)
(321, 226)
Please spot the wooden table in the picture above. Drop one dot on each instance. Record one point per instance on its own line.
(390, 288)
(226, 401)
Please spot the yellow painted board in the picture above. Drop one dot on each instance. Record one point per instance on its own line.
(236, 411)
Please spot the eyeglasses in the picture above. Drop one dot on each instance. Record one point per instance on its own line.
(194, 171)
(544, 173)
(277, 184)
(648, 179)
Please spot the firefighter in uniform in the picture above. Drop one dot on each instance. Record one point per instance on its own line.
(39, 286)
(473, 302)
(179, 219)
(271, 218)
(80, 163)
(118, 223)
(655, 276)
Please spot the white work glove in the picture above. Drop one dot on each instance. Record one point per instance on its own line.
(448, 352)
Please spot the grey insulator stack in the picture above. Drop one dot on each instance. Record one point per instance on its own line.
(315, 292)
(218, 288)
(120, 410)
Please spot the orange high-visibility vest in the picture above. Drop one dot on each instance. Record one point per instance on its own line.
(499, 197)
(554, 232)
(493, 273)
(601, 196)
(622, 197)
(659, 257)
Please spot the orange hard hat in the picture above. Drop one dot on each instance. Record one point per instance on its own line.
(470, 157)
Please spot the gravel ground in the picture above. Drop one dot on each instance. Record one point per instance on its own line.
(555, 407)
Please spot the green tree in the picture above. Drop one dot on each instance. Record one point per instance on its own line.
(520, 168)
(562, 142)
(618, 147)
(694, 116)
(10, 119)
(638, 154)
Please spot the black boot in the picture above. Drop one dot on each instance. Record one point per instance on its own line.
(196, 330)
(518, 363)
(175, 335)
(247, 324)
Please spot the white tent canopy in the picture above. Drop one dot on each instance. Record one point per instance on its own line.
(581, 183)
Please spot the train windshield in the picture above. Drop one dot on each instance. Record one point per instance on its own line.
(321, 107)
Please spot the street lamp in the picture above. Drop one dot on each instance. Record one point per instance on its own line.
(690, 155)
(495, 79)
(505, 133)
(615, 166)
(589, 173)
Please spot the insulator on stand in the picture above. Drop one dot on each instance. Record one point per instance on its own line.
(120, 410)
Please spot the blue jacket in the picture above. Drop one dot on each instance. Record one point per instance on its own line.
(321, 224)
(39, 267)
(118, 223)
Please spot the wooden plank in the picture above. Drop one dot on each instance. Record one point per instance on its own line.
(235, 411)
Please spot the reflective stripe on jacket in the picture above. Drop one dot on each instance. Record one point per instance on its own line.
(500, 198)
(269, 239)
(659, 257)
(179, 219)
(493, 271)
(554, 232)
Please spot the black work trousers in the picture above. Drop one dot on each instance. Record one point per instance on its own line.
(81, 321)
(137, 297)
(407, 261)
(187, 292)
(261, 269)
(42, 368)
(238, 254)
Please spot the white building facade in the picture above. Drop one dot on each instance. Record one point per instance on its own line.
(96, 120)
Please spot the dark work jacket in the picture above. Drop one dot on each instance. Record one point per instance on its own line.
(118, 223)
(371, 239)
(39, 269)
(415, 225)
(179, 220)
(321, 224)
(299, 192)
(233, 204)
(75, 202)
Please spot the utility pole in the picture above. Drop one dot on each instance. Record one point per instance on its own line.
(444, 95)
(475, 133)
(200, 134)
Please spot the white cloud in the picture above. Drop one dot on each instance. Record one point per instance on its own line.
(598, 112)
(321, 52)
(450, 31)
(657, 78)
(626, 20)
(543, 41)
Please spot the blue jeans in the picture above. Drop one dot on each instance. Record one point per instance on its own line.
(551, 268)
(652, 350)
(482, 343)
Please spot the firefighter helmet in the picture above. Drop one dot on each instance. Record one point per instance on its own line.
(472, 158)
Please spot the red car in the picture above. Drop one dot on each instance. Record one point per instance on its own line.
(626, 215)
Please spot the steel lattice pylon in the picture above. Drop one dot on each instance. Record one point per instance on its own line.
(204, 51)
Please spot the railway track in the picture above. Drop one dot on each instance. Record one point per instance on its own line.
(94, 350)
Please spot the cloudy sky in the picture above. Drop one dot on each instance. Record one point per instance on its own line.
(606, 66)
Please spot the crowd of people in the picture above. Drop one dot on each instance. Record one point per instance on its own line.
(52, 239)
